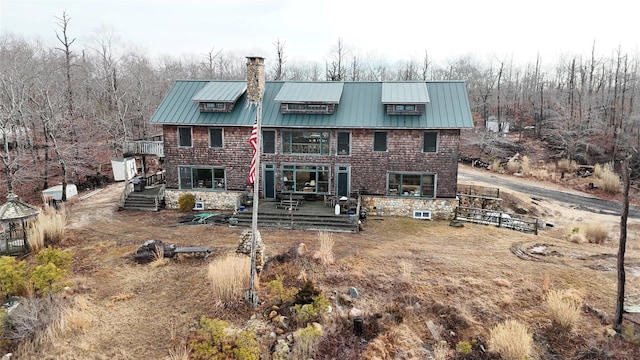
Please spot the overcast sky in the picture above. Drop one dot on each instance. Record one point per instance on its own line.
(391, 29)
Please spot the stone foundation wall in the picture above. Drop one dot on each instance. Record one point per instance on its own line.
(441, 209)
(213, 200)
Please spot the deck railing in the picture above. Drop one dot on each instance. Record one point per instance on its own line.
(143, 147)
(156, 178)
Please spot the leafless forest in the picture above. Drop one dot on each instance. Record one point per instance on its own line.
(66, 108)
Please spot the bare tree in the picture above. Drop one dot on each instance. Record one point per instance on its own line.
(18, 69)
(63, 23)
(278, 70)
(336, 64)
(426, 63)
(209, 64)
(356, 68)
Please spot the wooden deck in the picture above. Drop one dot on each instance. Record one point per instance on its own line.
(299, 207)
(309, 215)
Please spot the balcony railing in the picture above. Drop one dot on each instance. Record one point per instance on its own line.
(143, 147)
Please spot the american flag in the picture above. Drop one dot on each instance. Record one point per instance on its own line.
(253, 139)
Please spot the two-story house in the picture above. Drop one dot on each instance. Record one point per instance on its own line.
(393, 143)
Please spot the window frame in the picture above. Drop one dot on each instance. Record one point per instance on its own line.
(404, 107)
(213, 105)
(397, 187)
(321, 179)
(180, 136)
(188, 181)
(321, 141)
(434, 147)
(339, 149)
(376, 140)
(306, 107)
(266, 143)
(211, 145)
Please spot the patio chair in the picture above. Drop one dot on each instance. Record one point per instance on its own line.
(329, 201)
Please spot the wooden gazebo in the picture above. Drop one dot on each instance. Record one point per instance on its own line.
(15, 216)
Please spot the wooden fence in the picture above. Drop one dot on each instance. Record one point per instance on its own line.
(479, 191)
(497, 218)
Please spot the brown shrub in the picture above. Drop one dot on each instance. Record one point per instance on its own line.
(563, 165)
(597, 233)
(229, 277)
(511, 339)
(563, 309)
(324, 255)
(526, 170)
(495, 166)
(577, 238)
(399, 342)
(608, 180)
(540, 174)
(48, 229)
(513, 166)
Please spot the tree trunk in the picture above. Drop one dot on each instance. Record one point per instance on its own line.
(622, 247)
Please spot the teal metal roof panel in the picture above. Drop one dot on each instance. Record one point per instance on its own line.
(449, 107)
(360, 107)
(404, 93)
(221, 91)
(317, 92)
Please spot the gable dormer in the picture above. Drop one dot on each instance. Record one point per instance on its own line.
(405, 98)
(219, 96)
(309, 98)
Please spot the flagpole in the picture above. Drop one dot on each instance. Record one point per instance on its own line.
(253, 296)
(255, 92)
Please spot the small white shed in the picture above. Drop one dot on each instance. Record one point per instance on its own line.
(55, 192)
(124, 168)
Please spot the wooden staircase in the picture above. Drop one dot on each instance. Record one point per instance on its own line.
(149, 200)
(315, 222)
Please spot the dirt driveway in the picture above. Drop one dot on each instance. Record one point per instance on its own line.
(534, 189)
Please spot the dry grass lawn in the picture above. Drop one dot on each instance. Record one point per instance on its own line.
(466, 280)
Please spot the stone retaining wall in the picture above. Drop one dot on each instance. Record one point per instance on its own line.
(441, 209)
(480, 202)
(213, 200)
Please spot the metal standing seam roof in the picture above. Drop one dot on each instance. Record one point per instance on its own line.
(360, 107)
(404, 93)
(221, 91)
(317, 92)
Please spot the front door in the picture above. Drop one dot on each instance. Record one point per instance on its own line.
(342, 182)
(269, 181)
